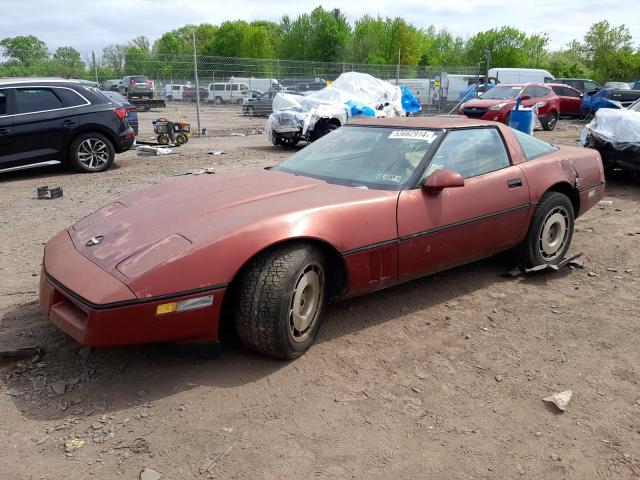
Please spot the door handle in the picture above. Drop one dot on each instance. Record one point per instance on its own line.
(5, 131)
(514, 182)
(68, 122)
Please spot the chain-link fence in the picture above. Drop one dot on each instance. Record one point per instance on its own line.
(191, 84)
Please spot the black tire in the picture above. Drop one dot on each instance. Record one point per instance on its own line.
(269, 295)
(550, 122)
(321, 130)
(218, 100)
(532, 250)
(81, 158)
(181, 139)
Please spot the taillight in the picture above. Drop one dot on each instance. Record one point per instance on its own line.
(120, 112)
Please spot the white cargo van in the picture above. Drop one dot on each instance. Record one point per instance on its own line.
(262, 84)
(174, 91)
(520, 75)
(227, 92)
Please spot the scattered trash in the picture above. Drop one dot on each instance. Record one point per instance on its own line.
(149, 151)
(46, 193)
(20, 352)
(560, 400)
(519, 270)
(216, 152)
(605, 203)
(149, 474)
(235, 134)
(75, 444)
(206, 171)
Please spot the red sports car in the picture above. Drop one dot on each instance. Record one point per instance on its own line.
(368, 206)
(496, 104)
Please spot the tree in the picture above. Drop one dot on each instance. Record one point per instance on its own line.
(113, 57)
(535, 47)
(141, 43)
(608, 48)
(25, 49)
(67, 62)
(506, 47)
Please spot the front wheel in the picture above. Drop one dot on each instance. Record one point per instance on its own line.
(282, 299)
(91, 153)
(550, 231)
(550, 122)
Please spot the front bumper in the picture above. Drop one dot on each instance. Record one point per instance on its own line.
(97, 310)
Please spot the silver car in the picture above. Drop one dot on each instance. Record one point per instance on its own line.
(136, 86)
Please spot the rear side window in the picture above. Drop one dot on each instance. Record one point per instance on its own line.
(3, 103)
(529, 92)
(69, 97)
(540, 91)
(219, 86)
(569, 92)
(30, 100)
(559, 90)
(531, 146)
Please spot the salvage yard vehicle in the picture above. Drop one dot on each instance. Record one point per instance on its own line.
(497, 103)
(223, 92)
(261, 105)
(583, 84)
(616, 135)
(373, 204)
(136, 86)
(132, 111)
(48, 122)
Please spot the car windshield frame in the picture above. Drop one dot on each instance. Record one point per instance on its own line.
(487, 95)
(635, 106)
(409, 183)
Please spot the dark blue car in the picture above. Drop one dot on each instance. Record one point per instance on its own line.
(132, 111)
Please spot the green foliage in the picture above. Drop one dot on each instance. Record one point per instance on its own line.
(27, 50)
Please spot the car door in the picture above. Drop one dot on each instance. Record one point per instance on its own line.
(457, 225)
(6, 127)
(41, 124)
(570, 101)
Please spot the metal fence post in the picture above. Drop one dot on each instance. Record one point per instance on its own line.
(95, 66)
(195, 71)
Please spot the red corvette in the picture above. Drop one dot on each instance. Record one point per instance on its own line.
(368, 206)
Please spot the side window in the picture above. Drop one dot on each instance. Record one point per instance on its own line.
(541, 92)
(70, 98)
(176, 87)
(559, 91)
(570, 92)
(470, 152)
(529, 92)
(4, 108)
(218, 86)
(531, 146)
(590, 86)
(234, 87)
(30, 100)
(548, 79)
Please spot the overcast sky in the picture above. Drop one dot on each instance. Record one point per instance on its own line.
(93, 24)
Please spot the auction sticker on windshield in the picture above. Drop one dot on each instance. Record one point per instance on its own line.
(426, 135)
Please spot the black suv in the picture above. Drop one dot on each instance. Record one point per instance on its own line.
(47, 122)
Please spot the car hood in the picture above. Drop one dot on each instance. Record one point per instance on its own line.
(146, 228)
(485, 103)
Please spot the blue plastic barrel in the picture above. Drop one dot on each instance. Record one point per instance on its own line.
(521, 118)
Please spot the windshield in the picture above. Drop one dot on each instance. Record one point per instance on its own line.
(618, 85)
(364, 157)
(501, 93)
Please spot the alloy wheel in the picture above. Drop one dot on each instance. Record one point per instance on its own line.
(93, 153)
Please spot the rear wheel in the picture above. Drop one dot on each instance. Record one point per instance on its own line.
(550, 231)
(323, 129)
(550, 122)
(218, 100)
(91, 152)
(282, 299)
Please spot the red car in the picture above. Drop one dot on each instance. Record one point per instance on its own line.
(368, 206)
(570, 99)
(496, 104)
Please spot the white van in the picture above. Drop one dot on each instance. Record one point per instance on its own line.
(262, 84)
(174, 91)
(230, 92)
(521, 75)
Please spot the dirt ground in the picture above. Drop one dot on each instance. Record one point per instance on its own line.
(439, 378)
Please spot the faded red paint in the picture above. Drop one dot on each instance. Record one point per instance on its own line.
(194, 235)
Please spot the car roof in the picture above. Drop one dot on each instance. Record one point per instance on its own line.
(435, 122)
(555, 84)
(19, 80)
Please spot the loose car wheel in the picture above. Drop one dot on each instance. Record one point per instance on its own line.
(550, 231)
(91, 152)
(551, 121)
(282, 298)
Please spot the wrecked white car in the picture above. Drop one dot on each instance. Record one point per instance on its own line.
(616, 135)
(312, 116)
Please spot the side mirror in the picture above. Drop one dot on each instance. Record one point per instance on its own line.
(441, 179)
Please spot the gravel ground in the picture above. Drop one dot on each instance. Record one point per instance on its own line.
(439, 378)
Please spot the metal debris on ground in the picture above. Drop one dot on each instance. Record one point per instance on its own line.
(560, 400)
(571, 261)
(605, 203)
(216, 152)
(46, 193)
(149, 151)
(204, 171)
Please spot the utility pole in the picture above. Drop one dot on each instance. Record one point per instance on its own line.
(195, 71)
(398, 69)
(95, 67)
(488, 60)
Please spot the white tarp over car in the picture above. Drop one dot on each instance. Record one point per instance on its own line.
(351, 94)
(620, 128)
